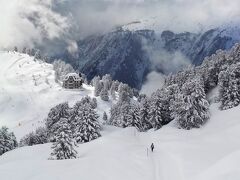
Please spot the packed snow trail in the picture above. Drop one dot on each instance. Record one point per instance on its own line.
(209, 153)
(159, 157)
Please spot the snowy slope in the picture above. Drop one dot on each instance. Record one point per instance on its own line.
(141, 24)
(209, 153)
(28, 90)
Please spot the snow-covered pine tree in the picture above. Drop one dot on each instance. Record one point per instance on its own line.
(55, 114)
(64, 146)
(168, 96)
(113, 90)
(124, 96)
(119, 114)
(107, 81)
(104, 94)
(134, 118)
(7, 140)
(37, 137)
(141, 97)
(191, 108)
(95, 80)
(28, 51)
(86, 125)
(229, 87)
(61, 69)
(94, 103)
(37, 55)
(24, 50)
(15, 49)
(28, 140)
(116, 85)
(156, 106)
(144, 113)
(126, 89)
(98, 88)
(41, 134)
(32, 52)
(124, 114)
(114, 115)
(85, 100)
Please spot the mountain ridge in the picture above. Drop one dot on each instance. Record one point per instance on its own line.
(122, 53)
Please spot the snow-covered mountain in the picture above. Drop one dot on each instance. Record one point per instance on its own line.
(123, 53)
(198, 46)
(28, 90)
(117, 53)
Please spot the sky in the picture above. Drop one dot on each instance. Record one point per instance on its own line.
(31, 22)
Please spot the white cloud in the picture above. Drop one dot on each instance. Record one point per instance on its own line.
(153, 82)
(178, 15)
(26, 22)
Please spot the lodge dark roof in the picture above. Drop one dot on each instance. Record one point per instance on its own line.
(75, 76)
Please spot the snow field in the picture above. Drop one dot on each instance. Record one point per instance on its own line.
(27, 92)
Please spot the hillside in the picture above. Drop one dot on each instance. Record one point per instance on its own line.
(28, 90)
(209, 153)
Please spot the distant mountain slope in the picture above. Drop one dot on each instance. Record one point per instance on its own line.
(198, 46)
(118, 53)
(28, 90)
(123, 53)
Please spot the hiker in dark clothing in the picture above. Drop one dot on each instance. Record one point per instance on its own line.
(152, 147)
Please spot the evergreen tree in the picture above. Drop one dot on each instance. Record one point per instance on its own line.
(113, 90)
(191, 109)
(95, 80)
(37, 55)
(55, 114)
(28, 140)
(104, 94)
(28, 51)
(15, 49)
(229, 87)
(94, 103)
(119, 114)
(61, 69)
(145, 113)
(7, 140)
(64, 146)
(124, 88)
(133, 119)
(98, 88)
(33, 138)
(124, 96)
(24, 50)
(86, 125)
(107, 81)
(155, 114)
